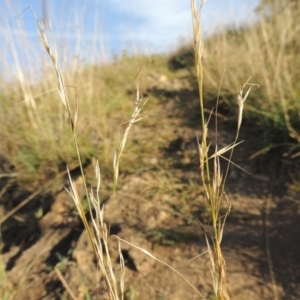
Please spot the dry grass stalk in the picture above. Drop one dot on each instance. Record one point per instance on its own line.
(213, 185)
(65, 284)
(138, 106)
(99, 233)
(213, 180)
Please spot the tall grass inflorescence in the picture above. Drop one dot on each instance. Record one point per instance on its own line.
(98, 234)
(212, 178)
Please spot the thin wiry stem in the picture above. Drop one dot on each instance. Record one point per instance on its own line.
(214, 183)
(98, 234)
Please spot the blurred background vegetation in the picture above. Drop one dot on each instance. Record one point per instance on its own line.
(34, 133)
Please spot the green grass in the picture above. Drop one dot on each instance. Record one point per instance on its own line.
(35, 137)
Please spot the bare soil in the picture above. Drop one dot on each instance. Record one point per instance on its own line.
(162, 209)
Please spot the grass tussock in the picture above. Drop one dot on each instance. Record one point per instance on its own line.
(34, 127)
(99, 232)
(269, 50)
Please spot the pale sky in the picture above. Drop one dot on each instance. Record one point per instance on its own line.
(95, 29)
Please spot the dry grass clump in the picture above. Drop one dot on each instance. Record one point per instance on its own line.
(39, 147)
(268, 49)
(34, 129)
(99, 234)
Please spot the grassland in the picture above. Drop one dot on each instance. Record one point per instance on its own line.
(35, 127)
(267, 51)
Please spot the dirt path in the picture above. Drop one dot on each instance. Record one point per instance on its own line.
(159, 209)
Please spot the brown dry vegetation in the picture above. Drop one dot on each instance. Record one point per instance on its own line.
(159, 201)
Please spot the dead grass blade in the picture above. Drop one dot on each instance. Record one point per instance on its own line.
(65, 284)
(160, 261)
